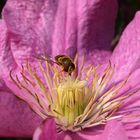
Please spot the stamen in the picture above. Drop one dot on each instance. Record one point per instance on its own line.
(77, 101)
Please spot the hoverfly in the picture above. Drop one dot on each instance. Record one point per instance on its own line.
(62, 60)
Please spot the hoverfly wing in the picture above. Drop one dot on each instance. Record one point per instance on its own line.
(46, 58)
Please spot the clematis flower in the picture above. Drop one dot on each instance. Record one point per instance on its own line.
(105, 93)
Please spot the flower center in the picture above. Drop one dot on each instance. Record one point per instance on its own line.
(76, 103)
(69, 102)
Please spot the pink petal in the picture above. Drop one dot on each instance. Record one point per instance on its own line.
(48, 132)
(83, 24)
(133, 84)
(16, 118)
(77, 136)
(126, 56)
(131, 107)
(132, 126)
(29, 25)
(7, 61)
(97, 57)
(114, 131)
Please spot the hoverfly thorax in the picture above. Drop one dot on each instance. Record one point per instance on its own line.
(66, 62)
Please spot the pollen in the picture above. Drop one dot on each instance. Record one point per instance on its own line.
(84, 99)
